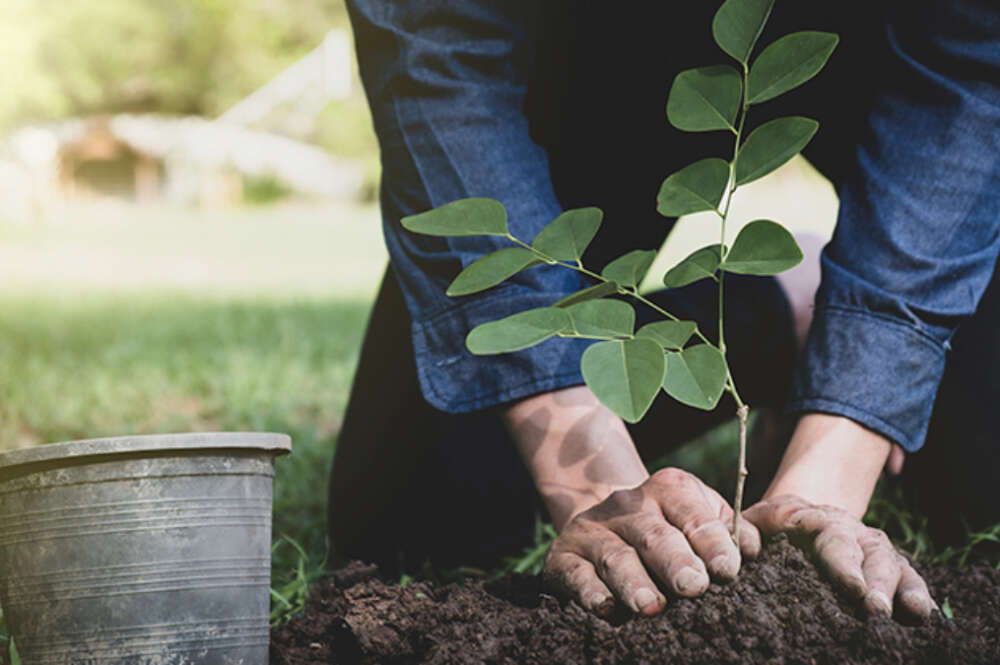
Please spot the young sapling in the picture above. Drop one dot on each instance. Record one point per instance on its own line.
(625, 368)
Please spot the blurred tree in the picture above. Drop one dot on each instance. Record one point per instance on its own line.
(74, 57)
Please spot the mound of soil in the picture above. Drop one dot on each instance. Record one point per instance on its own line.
(780, 610)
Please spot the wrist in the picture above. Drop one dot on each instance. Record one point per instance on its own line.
(577, 451)
(831, 460)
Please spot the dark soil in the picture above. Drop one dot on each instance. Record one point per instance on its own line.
(780, 610)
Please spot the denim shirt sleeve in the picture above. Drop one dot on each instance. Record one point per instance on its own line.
(446, 82)
(918, 232)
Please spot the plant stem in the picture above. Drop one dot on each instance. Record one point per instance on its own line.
(741, 409)
(741, 477)
(723, 251)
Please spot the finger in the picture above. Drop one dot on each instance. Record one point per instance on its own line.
(838, 549)
(686, 504)
(619, 567)
(667, 553)
(773, 516)
(881, 570)
(750, 544)
(749, 536)
(573, 576)
(913, 594)
(835, 541)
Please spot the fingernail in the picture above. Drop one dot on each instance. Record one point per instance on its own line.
(879, 602)
(725, 566)
(917, 602)
(643, 598)
(858, 585)
(599, 603)
(688, 578)
(594, 600)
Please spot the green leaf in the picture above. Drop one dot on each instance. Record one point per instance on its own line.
(789, 62)
(629, 269)
(465, 217)
(602, 318)
(705, 98)
(517, 331)
(671, 335)
(625, 375)
(696, 376)
(567, 236)
(492, 269)
(694, 188)
(699, 264)
(738, 24)
(762, 247)
(771, 145)
(589, 293)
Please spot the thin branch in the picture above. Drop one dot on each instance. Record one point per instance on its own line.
(741, 416)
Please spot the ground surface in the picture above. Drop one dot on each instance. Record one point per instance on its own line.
(119, 319)
(780, 610)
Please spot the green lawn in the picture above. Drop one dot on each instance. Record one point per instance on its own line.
(118, 319)
(115, 365)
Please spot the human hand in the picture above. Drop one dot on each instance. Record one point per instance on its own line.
(859, 557)
(671, 526)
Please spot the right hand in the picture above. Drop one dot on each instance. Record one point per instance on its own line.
(672, 527)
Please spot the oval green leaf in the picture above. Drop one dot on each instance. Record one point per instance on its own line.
(705, 99)
(517, 331)
(696, 376)
(788, 63)
(624, 375)
(602, 318)
(771, 145)
(699, 264)
(567, 236)
(763, 247)
(629, 269)
(589, 293)
(694, 188)
(464, 217)
(492, 269)
(738, 24)
(671, 335)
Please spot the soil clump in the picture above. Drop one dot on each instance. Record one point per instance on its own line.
(781, 610)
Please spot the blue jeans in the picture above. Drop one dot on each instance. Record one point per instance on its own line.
(526, 102)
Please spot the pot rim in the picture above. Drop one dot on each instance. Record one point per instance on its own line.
(279, 444)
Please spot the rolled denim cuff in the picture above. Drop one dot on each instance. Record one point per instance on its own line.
(873, 369)
(454, 380)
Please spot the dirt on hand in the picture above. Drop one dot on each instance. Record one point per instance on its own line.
(780, 610)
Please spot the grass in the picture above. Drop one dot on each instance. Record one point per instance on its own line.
(283, 252)
(114, 365)
(121, 319)
(116, 319)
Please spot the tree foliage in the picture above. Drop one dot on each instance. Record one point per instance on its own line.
(74, 57)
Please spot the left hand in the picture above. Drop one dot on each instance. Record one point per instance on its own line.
(859, 557)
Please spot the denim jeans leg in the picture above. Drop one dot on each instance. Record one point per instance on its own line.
(954, 477)
(410, 483)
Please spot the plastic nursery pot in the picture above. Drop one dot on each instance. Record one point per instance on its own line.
(142, 550)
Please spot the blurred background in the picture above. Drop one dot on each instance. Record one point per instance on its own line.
(189, 238)
(188, 234)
